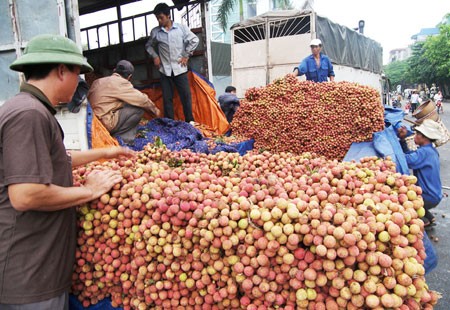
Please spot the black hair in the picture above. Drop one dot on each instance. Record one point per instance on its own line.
(421, 133)
(41, 71)
(125, 75)
(161, 8)
(229, 89)
(123, 72)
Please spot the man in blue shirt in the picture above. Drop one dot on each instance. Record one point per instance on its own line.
(425, 164)
(317, 67)
(229, 102)
(170, 45)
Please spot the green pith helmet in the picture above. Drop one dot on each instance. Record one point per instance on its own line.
(54, 49)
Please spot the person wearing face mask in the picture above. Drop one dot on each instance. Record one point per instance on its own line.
(317, 67)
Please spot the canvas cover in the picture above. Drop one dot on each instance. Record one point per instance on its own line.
(347, 47)
(344, 46)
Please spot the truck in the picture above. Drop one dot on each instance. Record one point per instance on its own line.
(21, 20)
(270, 45)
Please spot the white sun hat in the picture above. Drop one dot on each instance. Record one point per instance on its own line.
(429, 129)
(315, 42)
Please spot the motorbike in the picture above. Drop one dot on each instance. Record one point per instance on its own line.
(439, 107)
(396, 103)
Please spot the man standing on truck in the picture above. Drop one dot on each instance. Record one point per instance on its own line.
(317, 67)
(170, 45)
(119, 105)
(37, 220)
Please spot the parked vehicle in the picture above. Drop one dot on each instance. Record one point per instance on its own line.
(20, 24)
(270, 45)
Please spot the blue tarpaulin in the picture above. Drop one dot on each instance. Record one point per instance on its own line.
(385, 143)
(431, 261)
(178, 135)
(359, 150)
(393, 116)
(105, 304)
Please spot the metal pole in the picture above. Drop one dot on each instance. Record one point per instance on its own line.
(16, 32)
(267, 51)
(119, 24)
(207, 33)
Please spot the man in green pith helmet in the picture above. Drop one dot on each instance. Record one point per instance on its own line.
(37, 218)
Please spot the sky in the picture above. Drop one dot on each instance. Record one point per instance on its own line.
(389, 22)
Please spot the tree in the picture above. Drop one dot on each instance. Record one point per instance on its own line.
(397, 72)
(429, 62)
(437, 52)
(420, 67)
(228, 6)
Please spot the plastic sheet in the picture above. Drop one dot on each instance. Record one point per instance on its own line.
(244, 147)
(386, 144)
(105, 304)
(89, 124)
(431, 261)
(393, 116)
(359, 150)
(205, 108)
(100, 136)
(178, 135)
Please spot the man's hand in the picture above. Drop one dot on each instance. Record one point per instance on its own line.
(152, 109)
(118, 151)
(183, 61)
(157, 62)
(99, 182)
(402, 132)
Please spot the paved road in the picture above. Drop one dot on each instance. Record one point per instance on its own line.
(439, 278)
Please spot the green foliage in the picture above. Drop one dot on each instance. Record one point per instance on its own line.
(420, 68)
(429, 62)
(397, 72)
(437, 50)
(227, 7)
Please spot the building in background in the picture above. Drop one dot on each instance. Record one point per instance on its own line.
(424, 33)
(221, 40)
(399, 54)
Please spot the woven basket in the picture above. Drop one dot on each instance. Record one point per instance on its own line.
(424, 109)
(433, 115)
(445, 134)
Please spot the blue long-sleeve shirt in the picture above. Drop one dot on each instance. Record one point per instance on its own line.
(308, 66)
(426, 167)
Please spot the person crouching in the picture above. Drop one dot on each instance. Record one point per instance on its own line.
(119, 105)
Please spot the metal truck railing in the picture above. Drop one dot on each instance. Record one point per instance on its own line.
(138, 26)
